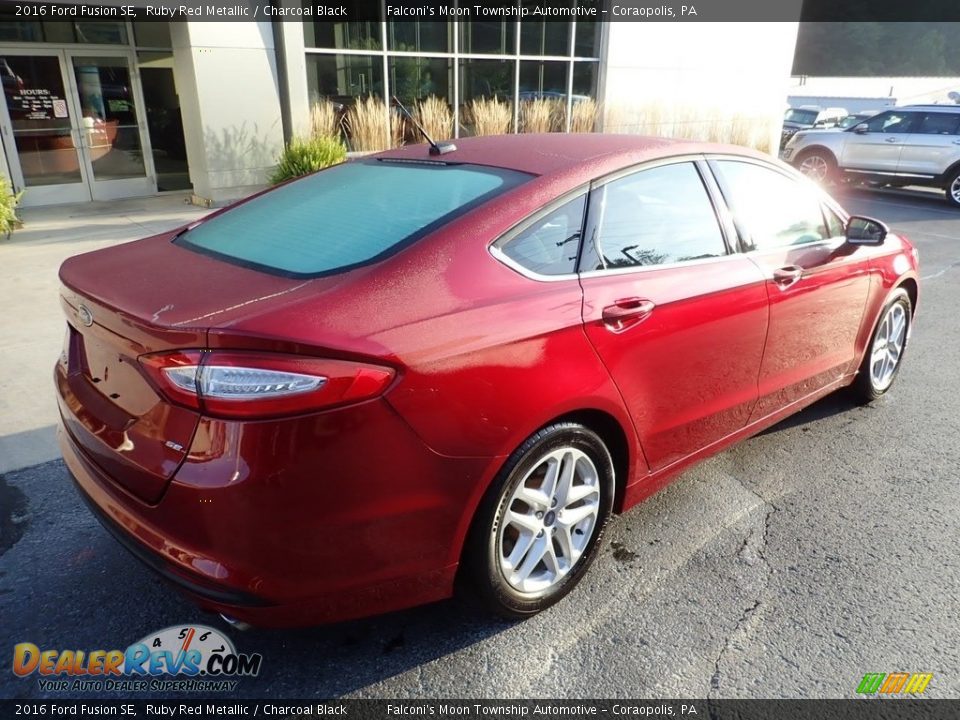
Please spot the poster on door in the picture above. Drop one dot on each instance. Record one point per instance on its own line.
(35, 104)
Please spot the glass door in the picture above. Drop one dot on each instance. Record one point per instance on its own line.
(39, 126)
(110, 125)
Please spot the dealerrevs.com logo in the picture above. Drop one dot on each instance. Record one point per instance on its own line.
(177, 658)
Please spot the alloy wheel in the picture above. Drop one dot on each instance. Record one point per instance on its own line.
(549, 520)
(815, 167)
(955, 190)
(888, 346)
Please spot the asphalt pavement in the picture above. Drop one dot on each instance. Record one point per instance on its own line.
(789, 566)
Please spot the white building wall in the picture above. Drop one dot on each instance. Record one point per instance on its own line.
(714, 81)
(227, 80)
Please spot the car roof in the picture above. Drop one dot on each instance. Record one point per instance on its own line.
(589, 154)
(931, 106)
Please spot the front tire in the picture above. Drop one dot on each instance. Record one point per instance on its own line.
(953, 188)
(818, 165)
(884, 355)
(538, 528)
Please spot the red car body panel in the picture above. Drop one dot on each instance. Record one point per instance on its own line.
(341, 513)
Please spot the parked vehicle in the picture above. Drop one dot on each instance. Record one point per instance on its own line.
(339, 396)
(807, 117)
(912, 145)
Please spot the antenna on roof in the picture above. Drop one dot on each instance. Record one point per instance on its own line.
(435, 148)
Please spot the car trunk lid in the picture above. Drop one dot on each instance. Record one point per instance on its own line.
(158, 298)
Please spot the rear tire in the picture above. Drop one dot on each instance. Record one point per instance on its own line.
(818, 165)
(953, 188)
(539, 526)
(884, 355)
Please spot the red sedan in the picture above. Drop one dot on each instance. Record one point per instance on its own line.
(336, 397)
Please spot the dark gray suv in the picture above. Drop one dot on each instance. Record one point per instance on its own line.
(912, 145)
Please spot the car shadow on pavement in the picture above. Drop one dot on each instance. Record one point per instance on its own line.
(836, 403)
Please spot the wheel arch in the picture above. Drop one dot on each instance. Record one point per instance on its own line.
(913, 290)
(950, 173)
(610, 430)
(813, 148)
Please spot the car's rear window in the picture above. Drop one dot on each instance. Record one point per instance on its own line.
(346, 216)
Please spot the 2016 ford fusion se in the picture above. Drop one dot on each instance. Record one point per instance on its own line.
(341, 395)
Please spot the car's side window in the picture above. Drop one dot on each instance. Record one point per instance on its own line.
(770, 209)
(891, 122)
(652, 217)
(939, 124)
(549, 245)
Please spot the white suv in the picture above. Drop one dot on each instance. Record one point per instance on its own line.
(912, 145)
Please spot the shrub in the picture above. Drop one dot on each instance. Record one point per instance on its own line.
(366, 123)
(583, 117)
(436, 118)
(304, 156)
(542, 115)
(490, 116)
(324, 119)
(8, 207)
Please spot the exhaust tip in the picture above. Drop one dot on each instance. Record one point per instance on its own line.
(234, 623)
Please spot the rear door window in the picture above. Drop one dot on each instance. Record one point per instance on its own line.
(658, 216)
(346, 216)
(939, 124)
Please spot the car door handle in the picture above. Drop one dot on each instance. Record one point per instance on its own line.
(786, 276)
(891, 140)
(626, 312)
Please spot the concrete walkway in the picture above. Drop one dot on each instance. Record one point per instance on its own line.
(31, 324)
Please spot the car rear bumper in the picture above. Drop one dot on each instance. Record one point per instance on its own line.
(251, 526)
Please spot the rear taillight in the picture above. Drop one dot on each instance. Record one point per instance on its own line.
(254, 385)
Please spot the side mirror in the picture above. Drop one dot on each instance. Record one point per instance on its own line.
(861, 129)
(866, 231)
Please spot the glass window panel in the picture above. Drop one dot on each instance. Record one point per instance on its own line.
(489, 80)
(585, 79)
(102, 33)
(653, 217)
(341, 78)
(152, 34)
(770, 209)
(360, 35)
(538, 37)
(587, 40)
(40, 115)
(419, 36)
(108, 128)
(164, 120)
(413, 78)
(348, 215)
(486, 78)
(488, 37)
(14, 29)
(543, 79)
(549, 246)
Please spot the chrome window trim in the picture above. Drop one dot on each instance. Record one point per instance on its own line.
(663, 266)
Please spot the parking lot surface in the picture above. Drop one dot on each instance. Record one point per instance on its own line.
(789, 566)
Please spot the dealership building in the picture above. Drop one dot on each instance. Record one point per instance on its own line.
(105, 109)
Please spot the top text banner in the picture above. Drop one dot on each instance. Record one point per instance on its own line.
(491, 10)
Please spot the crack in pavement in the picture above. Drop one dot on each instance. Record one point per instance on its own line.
(748, 612)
